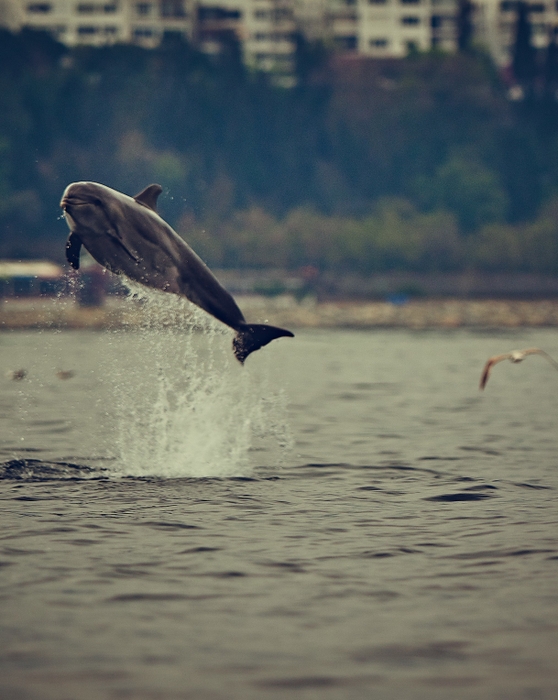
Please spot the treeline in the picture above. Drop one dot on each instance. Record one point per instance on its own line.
(394, 236)
(422, 163)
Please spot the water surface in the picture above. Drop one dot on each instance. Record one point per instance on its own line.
(345, 517)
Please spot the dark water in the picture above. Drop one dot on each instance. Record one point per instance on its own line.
(345, 517)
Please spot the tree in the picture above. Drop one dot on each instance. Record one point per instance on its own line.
(464, 25)
(551, 68)
(309, 57)
(523, 56)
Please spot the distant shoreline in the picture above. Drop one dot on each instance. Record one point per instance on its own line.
(285, 310)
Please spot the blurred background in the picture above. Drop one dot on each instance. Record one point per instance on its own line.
(326, 140)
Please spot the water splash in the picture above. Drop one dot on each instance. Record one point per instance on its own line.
(185, 407)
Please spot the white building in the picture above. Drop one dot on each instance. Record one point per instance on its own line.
(392, 28)
(266, 29)
(495, 22)
(269, 35)
(381, 28)
(98, 22)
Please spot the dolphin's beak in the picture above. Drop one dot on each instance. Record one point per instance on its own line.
(69, 200)
(65, 202)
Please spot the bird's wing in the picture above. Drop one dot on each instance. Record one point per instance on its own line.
(533, 351)
(488, 366)
(538, 351)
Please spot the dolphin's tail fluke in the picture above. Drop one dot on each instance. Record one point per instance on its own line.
(253, 336)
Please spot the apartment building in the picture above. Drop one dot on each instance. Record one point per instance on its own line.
(392, 28)
(266, 29)
(98, 22)
(495, 24)
(395, 28)
(269, 35)
(381, 28)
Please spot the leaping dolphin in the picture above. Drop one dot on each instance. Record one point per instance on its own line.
(127, 236)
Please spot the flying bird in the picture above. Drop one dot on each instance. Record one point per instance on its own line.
(513, 356)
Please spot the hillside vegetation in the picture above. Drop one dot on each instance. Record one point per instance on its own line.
(422, 163)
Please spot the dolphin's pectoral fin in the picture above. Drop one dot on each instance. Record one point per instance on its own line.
(148, 196)
(116, 238)
(253, 336)
(134, 257)
(73, 247)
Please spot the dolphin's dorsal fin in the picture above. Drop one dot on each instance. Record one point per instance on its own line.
(148, 196)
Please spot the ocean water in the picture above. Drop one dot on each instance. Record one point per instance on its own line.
(347, 516)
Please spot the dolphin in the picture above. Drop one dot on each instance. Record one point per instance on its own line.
(128, 237)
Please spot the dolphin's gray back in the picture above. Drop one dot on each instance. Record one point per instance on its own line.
(127, 236)
(172, 262)
(142, 246)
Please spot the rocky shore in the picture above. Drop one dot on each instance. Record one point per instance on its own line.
(287, 311)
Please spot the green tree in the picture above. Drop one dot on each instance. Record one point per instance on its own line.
(551, 67)
(464, 25)
(466, 187)
(523, 53)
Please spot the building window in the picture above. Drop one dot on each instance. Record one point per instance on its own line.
(508, 6)
(379, 43)
(216, 13)
(273, 36)
(172, 8)
(87, 31)
(143, 33)
(282, 13)
(143, 8)
(411, 21)
(39, 8)
(410, 2)
(377, 2)
(539, 7)
(346, 43)
(111, 31)
(88, 8)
